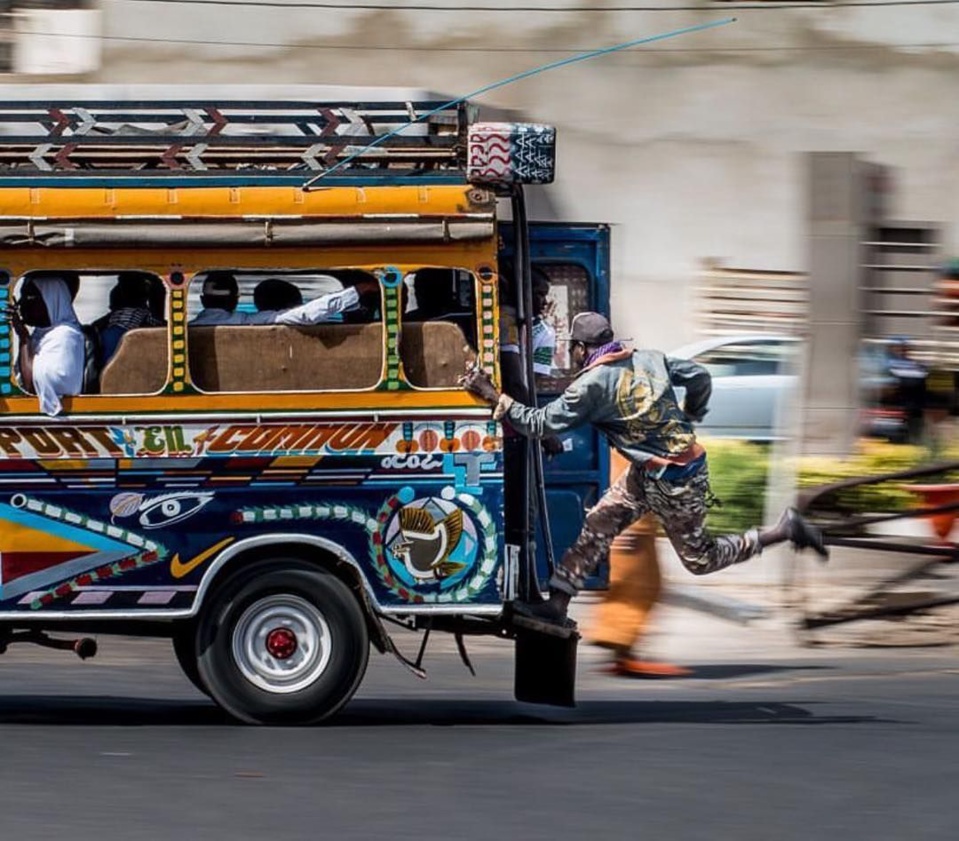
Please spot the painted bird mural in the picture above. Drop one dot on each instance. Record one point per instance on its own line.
(424, 545)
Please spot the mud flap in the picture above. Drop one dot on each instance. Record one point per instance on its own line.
(545, 663)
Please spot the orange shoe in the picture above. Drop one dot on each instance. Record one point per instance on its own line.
(634, 667)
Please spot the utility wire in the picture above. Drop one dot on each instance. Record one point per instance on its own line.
(435, 7)
(196, 42)
(516, 77)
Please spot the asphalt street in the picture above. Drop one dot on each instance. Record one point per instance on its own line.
(767, 740)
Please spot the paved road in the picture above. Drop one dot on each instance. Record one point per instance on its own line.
(767, 741)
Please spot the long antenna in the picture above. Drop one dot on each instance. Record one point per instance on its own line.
(517, 77)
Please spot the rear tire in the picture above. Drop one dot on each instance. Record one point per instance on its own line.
(288, 646)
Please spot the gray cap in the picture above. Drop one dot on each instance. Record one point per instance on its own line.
(590, 328)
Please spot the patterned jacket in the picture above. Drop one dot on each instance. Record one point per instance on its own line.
(629, 397)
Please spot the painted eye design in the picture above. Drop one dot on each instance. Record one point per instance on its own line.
(171, 508)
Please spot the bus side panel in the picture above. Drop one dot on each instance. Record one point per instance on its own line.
(129, 518)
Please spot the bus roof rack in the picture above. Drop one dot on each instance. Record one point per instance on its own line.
(85, 142)
(259, 139)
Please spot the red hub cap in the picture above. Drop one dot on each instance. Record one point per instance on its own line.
(281, 643)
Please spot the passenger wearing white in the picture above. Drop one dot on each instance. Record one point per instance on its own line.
(543, 335)
(221, 294)
(50, 361)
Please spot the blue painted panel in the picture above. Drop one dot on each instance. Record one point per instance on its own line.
(577, 477)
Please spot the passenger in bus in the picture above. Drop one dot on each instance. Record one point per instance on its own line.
(437, 300)
(368, 310)
(51, 356)
(156, 297)
(543, 335)
(516, 498)
(221, 295)
(275, 294)
(129, 310)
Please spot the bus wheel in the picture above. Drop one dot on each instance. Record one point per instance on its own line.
(288, 646)
(184, 647)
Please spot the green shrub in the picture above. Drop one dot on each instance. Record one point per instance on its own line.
(738, 474)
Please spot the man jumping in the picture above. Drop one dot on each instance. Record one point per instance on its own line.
(628, 395)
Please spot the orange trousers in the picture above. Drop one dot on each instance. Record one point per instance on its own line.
(635, 581)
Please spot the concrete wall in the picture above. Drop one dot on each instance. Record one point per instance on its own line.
(690, 147)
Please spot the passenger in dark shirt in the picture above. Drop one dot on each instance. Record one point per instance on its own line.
(437, 300)
(130, 308)
(275, 294)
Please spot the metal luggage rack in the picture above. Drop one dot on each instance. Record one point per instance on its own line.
(842, 527)
(259, 140)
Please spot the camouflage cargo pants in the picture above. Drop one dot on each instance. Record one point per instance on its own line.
(680, 505)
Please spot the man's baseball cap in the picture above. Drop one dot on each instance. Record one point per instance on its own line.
(590, 328)
(220, 285)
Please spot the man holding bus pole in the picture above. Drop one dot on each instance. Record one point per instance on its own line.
(628, 395)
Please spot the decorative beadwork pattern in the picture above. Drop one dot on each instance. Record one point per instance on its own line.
(178, 327)
(487, 327)
(392, 282)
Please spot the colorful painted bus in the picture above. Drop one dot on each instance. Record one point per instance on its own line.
(274, 494)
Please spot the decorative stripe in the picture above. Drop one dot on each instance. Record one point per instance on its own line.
(153, 597)
(85, 597)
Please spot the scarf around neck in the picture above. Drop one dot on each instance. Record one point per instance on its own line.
(603, 350)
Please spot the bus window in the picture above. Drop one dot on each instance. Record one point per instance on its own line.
(110, 307)
(439, 326)
(569, 295)
(285, 330)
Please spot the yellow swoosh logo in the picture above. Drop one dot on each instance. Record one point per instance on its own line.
(179, 569)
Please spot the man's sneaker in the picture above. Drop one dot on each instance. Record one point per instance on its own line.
(802, 534)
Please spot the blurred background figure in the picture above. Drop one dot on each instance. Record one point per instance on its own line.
(909, 383)
(635, 584)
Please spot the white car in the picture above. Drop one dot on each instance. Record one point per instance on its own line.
(754, 376)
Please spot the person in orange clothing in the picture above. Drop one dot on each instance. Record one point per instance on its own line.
(635, 583)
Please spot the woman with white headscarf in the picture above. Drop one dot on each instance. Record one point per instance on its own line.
(50, 361)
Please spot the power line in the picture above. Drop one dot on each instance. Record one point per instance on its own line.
(197, 42)
(434, 7)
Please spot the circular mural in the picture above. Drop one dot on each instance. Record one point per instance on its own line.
(431, 540)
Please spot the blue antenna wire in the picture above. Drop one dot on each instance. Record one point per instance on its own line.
(515, 78)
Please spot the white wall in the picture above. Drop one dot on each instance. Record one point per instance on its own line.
(690, 147)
